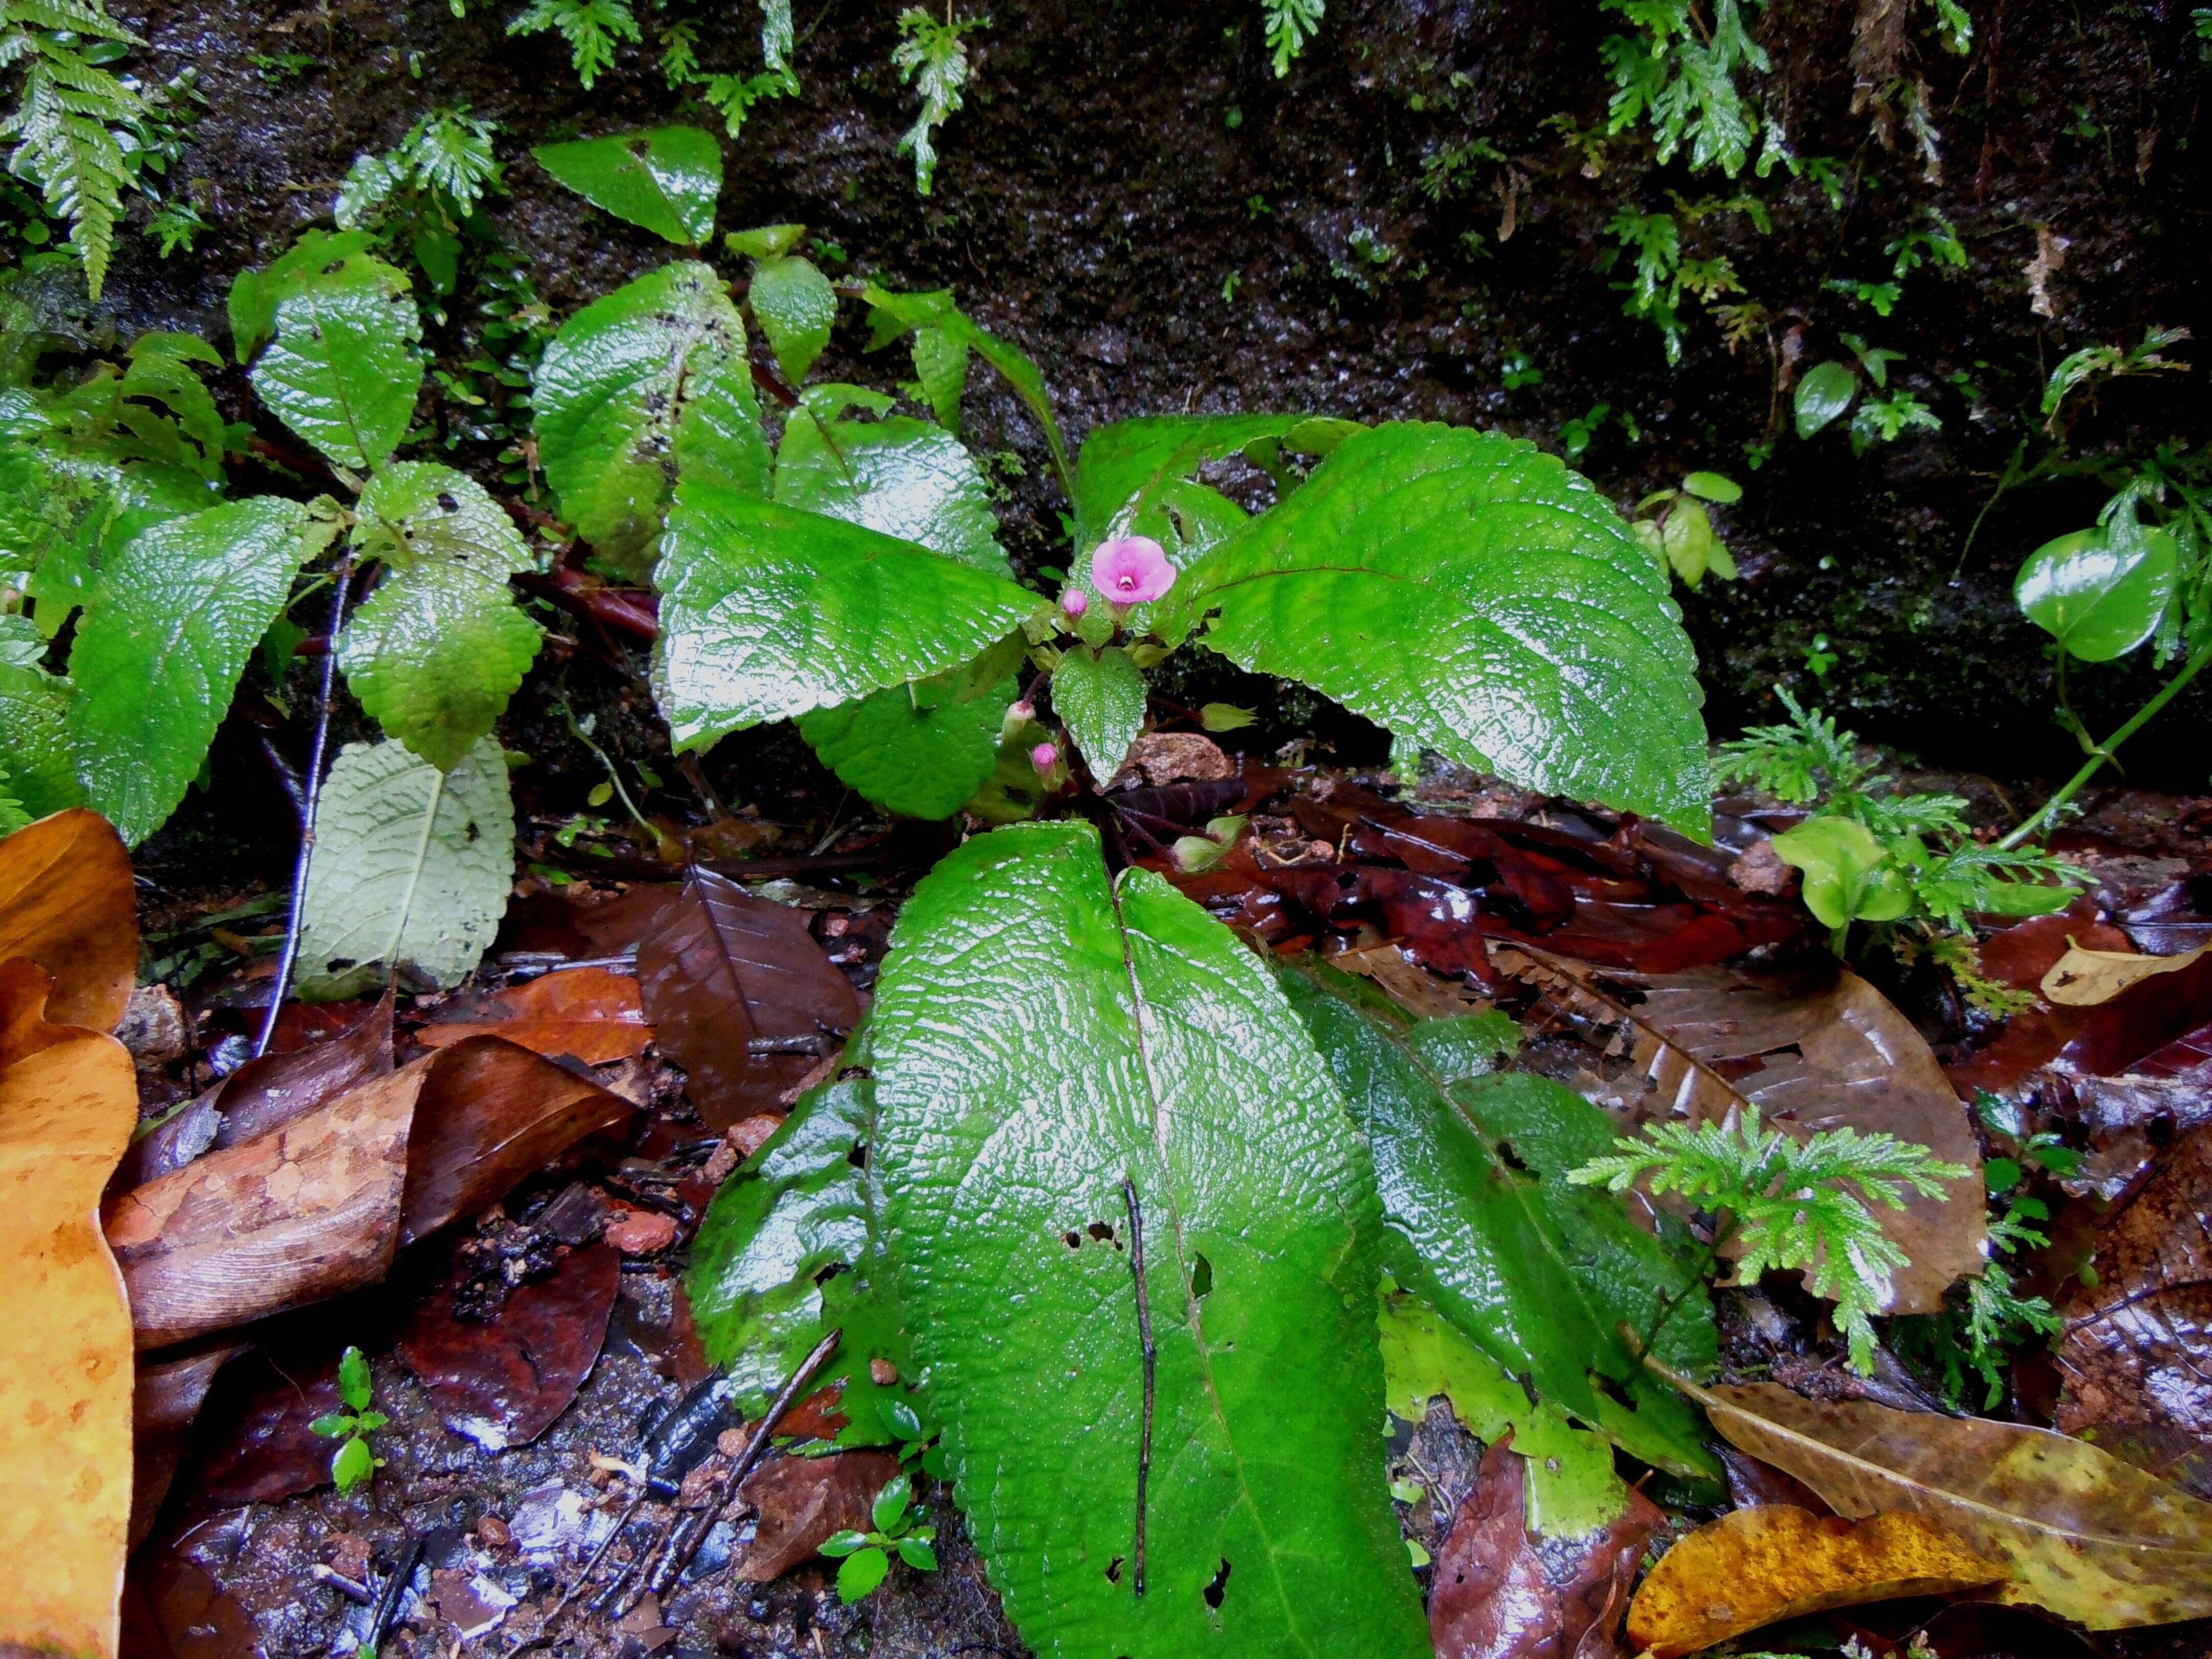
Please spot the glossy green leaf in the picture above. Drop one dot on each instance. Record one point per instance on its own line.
(318, 256)
(667, 180)
(891, 1503)
(917, 1554)
(1823, 396)
(354, 1464)
(839, 1545)
(1690, 545)
(1126, 466)
(768, 612)
(1043, 1035)
(331, 1423)
(796, 309)
(953, 334)
(864, 1569)
(1467, 591)
(343, 371)
(37, 758)
(1713, 487)
(916, 749)
(651, 374)
(419, 510)
(1484, 1226)
(765, 241)
(902, 477)
(791, 1248)
(409, 871)
(1101, 696)
(2097, 594)
(1849, 875)
(435, 654)
(73, 513)
(354, 1379)
(175, 617)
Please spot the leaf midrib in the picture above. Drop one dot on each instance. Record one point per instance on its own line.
(391, 953)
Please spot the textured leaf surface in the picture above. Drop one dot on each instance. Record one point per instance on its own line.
(1100, 695)
(1129, 471)
(665, 180)
(1484, 1226)
(647, 382)
(1465, 589)
(37, 758)
(419, 510)
(342, 371)
(1040, 1037)
(2086, 1536)
(62, 516)
(944, 336)
(912, 749)
(902, 477)
(161, 648)
(410, 868)
(768, 612)
(436, 653)
(800, 1205)
(796, 309)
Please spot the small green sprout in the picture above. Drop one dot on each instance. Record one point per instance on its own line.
(354, 1463)
(867, 1555)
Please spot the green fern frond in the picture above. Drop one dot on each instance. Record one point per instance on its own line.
(932, 56)
(1290, 24)
(591, 29)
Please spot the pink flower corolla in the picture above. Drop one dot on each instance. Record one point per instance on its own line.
(1075, 602)
(1131, 570)
(1044, 756)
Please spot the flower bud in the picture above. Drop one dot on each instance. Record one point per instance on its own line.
(1044, 756)
(1075, 602)
(1021, 711)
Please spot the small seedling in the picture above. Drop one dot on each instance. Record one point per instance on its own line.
(354, 1463)
(867, 1555)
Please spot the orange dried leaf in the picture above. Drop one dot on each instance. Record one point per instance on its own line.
(586, 1012)
(1756, 1567)
(68, 1099)
(67, 902)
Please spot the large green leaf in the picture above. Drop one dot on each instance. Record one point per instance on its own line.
(1465, 589)
(74, 512)
(2099, 594)
(319, 256)
(944, 336)
(792, 1246)
(37, 756)
(1130, 471)
(343, 371)
(640, 386)
(905, 477)
(768, 612)
(175, 617)
(1484, 1226)
(796, 309)
(442, 645)
(1101, 696)
(667, 180)
(1047, 1046)
(409, 870)
(915, 749)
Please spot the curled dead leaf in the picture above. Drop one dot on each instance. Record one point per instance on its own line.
(68, 903)
(588, 1012)
(2083, 978)
(67, 1098)
(1756, 1567)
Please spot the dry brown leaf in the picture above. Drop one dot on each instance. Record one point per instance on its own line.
(68, 1099)
(1757, 1567)
(1411, 986)
(2083, 1534)
(1711, 1042)
(164, 1403)
(801, 1501)
(2082, 979)
(589, 1012)
(67, 902)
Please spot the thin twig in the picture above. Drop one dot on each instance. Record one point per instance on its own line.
(313, 795)
(386, 1612)
(1152, 1367)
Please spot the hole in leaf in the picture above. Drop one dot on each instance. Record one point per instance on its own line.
(1075, 1239)
(1100, 1232)
(1512, 1159)
(1114, 1570)
(1219, 1588)
(858, 1157)
(1201, 1276)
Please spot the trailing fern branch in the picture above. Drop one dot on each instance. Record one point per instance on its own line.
(932, 57)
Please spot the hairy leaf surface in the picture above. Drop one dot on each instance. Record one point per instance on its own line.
(1042, 1037)
(1100, 695)
(902, 476)
(171, 625)
(768, 612)
(796, 309)
(342, 371)
(647, 383)
(37, 758)
(916, 748)
(665, 180)
(1465, 589)
(409, 870)
(436, 653)
(1484, 1227)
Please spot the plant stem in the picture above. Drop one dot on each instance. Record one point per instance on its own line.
(312, 794)
(2029, 827)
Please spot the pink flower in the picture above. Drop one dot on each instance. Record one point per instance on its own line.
(1131, 570)
(1075, 602)
(1044, 756)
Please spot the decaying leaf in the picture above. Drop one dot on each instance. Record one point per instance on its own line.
(1712, 1043)
(589, 1012)
(2082, 978)
(67, 1098)
(2082, 1533)
(801, 1501)
(67, 903)
(1502, 1592)
(163, 1405)
(1757, 1567)
(741, 996)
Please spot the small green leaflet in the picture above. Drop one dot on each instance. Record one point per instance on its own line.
(796, 309)
(342, 370)
(1823, 396)
(655, 368)
(1484, 1226)
(1059, 1057)
(798, 1208)
(1101, 696)
(902, 477)
(419, 510)
(2097, 594)
(914, 749)
(1467, 591)
(667, 180)
(768, 612)
(171, 625)
(943, 335)
(409, 871)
